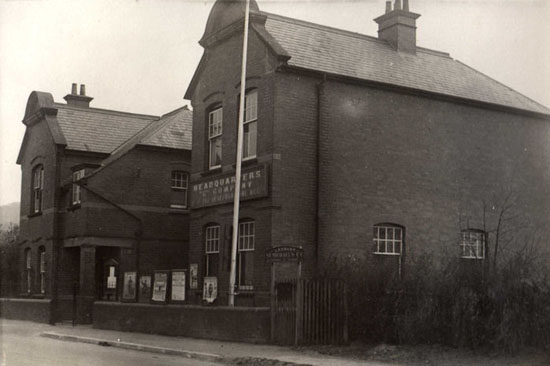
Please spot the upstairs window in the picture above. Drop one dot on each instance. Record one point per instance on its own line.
(472, 244)
(250, 125)
(388, 239)
(179, 185)
(212, 251)
(78, 175)
(215, 122)
(37, 189)
(245, 256)
(42, 259)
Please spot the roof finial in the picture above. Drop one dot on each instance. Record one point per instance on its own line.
(406, 5)
(388, 6)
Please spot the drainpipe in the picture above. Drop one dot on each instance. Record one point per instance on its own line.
(138, 233)
(56, 237)
(320, 89)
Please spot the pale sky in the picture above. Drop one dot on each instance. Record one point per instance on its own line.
(139, 56)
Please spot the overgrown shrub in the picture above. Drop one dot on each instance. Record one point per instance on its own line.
(8, 261)
(459, 304)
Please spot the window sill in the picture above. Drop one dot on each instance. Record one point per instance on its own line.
(211, 171)
(472, 258)
(389, 254)
(247, 162)
(178, 211)
(39, 213)
(74, 206)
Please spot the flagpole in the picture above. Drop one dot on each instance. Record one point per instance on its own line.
(237, 196)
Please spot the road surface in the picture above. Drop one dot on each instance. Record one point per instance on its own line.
(21, 345)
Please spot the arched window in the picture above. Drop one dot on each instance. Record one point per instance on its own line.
(472, 244)
(211, 250)
(250, 124)
(42, 263)
(28, 270)
(245, 258)
(215, 131)
(37, 188)
(388, 239)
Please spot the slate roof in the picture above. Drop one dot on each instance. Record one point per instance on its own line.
(97, 130)
(172, 130)
(175, 130)
(349, 54)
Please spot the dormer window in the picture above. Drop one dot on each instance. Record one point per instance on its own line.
(37, 189)
(78, 175)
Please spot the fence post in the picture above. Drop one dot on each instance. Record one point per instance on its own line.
(272, 302)
(346, 315)
(299, 312)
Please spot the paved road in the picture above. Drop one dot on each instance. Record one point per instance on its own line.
(21, 345)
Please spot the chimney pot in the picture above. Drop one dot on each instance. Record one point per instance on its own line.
(83, 89)
(406, 5)
(397, 5)
(73, 89)
(388, 6)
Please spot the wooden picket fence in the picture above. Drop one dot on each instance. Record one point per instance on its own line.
(311, 311)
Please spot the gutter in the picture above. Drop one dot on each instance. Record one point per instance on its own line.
(320, 89)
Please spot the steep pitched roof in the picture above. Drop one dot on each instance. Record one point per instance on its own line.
(349, 54)
(98, 130)
(175, 130)
(172, 130)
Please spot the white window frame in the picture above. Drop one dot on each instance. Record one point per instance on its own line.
(250, 118)
(211, 245)
(472, 244)
(179, 181)
(388, 244)
(246, 243)
(37, 188)
(43, 272)
(76, 195)
(215, 132)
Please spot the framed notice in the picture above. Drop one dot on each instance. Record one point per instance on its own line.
(194, 276)
(129, 286)
(177, 292)
(210, 289)
(144, 288)
(160, 286)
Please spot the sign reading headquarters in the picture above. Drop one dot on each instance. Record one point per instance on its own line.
(220, 189)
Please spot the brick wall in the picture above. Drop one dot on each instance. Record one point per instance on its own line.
(425, 164)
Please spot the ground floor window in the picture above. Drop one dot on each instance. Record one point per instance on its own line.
(245, 256)
(28, 273)
(388, 239)
(472, 244)
(212, 251)
(42, 259)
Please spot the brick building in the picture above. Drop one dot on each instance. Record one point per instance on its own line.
(359, 149)
(103, 193)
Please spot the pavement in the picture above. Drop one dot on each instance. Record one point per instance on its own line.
(200, 349)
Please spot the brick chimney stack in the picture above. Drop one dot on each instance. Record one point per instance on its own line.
(398, 26)
(78, 100)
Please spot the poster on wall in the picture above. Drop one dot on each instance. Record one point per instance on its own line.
(193, 276)
(144, 288)
(178, 285)
(210, 289)
(129, 286)
(160, 285)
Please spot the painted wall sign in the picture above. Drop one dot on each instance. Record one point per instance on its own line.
(220, 189)
(284, 254)
(178, 286)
